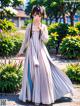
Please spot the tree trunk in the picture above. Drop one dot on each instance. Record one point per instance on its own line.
(50, 20)
(56, 19)
(72, 19)
(58, 44)
(1, 15)
(64, 18)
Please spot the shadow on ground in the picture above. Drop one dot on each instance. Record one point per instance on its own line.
(15, 99)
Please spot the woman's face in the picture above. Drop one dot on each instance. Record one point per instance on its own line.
(36, 17)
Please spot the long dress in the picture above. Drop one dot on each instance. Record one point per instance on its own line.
(42, 81)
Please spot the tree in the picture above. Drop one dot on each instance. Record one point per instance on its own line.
(72, 8)
(52, 8)
(8, 3)
(63, 11)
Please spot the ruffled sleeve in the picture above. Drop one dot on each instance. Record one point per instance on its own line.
(26, 40)
(44, 36)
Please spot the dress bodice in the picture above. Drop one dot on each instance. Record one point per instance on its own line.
(35, 38)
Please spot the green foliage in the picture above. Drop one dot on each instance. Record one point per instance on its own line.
(57, 32)
(27, 22)
(73, 31)
(52, 28)
(72, 8)
(8, 3)
(10, 45)
(53, 9)
(17, 44)
(7, 26)
(6, 46)
(70, 47)
(23, 27)
(56, 9)
(59, 28)
(77, 25)
(62, 29)
(52, 41)
(44, 21)
(10, 77)
(73, 71)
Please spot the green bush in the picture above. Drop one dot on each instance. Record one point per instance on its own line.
(52, 28)
(10, 77)
(23, 27)
(73, 31)
(44, 21)
(73, 71)
(17, 40)
(60, 28)
(70, 47)
(10, 45)
(52, 41)
(6, 46)
(26, 22)
(58, 31)
(77, 25)
(7, 26)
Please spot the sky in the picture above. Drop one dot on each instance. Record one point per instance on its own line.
(25, 1)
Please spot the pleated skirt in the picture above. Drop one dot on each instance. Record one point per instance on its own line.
(45, 83)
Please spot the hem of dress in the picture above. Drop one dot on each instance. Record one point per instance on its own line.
(45, 103)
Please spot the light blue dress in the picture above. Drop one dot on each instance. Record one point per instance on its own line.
(42, 81)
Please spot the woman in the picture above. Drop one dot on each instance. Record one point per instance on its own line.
(42, 81)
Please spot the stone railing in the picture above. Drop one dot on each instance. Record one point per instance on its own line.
(11, 60)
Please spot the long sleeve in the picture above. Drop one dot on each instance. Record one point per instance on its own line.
(44, 36)
(26, 39)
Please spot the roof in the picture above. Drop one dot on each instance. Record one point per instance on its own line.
(21, 13)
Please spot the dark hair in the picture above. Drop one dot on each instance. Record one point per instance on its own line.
(31, 31)
(38, 10)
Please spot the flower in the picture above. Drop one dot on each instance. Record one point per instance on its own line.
(0, 30)
(11, 10)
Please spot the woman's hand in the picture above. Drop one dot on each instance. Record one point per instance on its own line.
(40, 27)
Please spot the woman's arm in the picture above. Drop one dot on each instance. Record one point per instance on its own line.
(25, 41)
(44, 36)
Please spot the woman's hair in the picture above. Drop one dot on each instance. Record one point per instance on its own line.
(40, 10)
